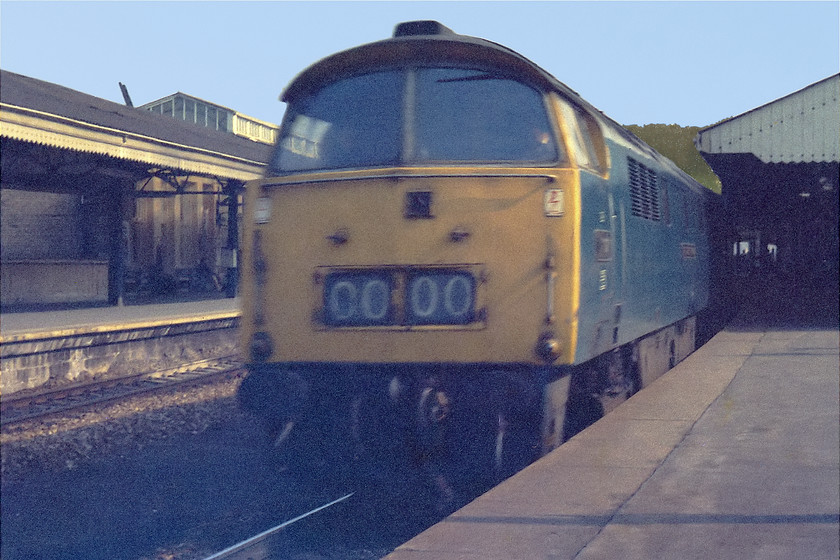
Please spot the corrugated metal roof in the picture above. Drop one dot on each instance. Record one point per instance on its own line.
(46, 113)
(802, 127)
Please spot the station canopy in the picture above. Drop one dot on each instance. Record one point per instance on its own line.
(779, 166)
(784, 150)
(42, 114)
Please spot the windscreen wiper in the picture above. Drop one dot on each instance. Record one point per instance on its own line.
(475, 78)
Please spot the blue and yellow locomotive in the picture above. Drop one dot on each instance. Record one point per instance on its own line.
(455, 262)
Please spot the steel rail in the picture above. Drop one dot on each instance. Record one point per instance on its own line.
(230, 551)
(17, 409)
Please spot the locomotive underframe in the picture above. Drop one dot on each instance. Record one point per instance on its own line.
(457, 428)
(473, 423)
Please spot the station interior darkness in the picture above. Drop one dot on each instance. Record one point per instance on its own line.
(783, 221)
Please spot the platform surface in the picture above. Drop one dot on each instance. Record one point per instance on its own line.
(13, 325)
(733, 454)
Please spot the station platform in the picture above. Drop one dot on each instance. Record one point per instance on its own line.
(16, 326)
(733, 454)
(49, 348)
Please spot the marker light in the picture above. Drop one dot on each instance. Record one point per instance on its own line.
(548, 347)
(261, 346)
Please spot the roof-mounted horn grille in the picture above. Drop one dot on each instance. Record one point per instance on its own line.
(422, 27)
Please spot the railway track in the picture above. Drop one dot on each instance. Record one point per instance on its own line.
(256, 546)
(19, 408)
(361, 526)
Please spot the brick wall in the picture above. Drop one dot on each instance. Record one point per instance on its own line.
(39, 226)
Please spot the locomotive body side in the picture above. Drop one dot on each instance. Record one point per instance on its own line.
(644, 241)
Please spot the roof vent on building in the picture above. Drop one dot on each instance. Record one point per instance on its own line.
(422, 27)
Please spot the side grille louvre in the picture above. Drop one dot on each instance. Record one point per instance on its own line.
(644, 191)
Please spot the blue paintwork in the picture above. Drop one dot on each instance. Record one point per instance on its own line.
(648, 275)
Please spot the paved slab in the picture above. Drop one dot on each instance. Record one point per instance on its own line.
(735, 453)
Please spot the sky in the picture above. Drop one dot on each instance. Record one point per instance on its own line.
(687, 63)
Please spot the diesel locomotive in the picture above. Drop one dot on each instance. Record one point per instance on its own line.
(454, 262)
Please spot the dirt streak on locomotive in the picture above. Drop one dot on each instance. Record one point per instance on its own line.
(456, 262)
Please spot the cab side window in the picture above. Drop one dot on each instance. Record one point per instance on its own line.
(585, 137)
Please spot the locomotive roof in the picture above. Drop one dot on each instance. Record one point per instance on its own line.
(432, 42)
(422, 42)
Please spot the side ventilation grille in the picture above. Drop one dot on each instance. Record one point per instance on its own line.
(644, 191)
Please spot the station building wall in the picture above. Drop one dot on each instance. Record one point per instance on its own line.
(53, 248)
(56, 247)
(39, 225)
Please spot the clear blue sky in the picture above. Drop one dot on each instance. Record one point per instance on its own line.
(690, 63)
